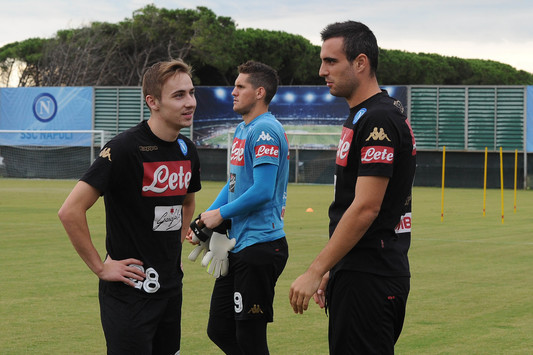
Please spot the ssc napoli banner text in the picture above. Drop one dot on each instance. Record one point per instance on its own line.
(46, 109)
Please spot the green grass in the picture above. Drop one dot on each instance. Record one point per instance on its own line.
(470, 289)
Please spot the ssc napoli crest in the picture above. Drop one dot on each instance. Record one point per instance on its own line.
(183, 146)
(44, 107)
(358, 115)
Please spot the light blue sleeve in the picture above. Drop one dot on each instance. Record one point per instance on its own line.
(221, 199)
(258, 194)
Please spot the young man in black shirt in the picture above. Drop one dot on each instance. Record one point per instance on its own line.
(148, 176)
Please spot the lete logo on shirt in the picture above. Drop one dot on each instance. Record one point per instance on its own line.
(166, 178)
(237, 152)
(344, 146)
(266, 150)
(377, 154)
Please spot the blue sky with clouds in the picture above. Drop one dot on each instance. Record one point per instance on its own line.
(484, 29)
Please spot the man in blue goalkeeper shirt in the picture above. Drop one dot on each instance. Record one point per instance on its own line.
(254, 200)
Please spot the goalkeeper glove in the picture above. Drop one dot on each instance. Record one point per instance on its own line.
(216, 259)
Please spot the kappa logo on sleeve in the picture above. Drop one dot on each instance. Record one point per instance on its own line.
(378, 135)
(265, 137)
(105, 153)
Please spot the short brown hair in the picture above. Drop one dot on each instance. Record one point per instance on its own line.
(261, 75)
(155, 77)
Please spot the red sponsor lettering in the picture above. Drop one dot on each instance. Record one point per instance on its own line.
(266, 150)
(237, 152)
(166, 178)
(344, 146)
(405, 224)
(377, 154)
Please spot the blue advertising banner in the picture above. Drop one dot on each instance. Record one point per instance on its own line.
(46, 109)
(301, 109)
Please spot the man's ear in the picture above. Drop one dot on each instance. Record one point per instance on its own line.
(152, 102)
(361, 62)
(260, 93)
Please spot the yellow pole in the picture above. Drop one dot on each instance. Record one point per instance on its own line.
(515, 171)
(442, 192)
(501, 179)
(485, 184)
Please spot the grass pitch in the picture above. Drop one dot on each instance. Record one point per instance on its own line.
(470, 288)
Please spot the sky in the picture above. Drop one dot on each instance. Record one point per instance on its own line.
(475, 29)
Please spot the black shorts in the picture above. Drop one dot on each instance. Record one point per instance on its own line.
(366, 312)
(138, 325)
(247, 292)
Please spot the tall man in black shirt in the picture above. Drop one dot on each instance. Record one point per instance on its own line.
(362, 274)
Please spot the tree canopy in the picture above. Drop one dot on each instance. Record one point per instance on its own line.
(107, 54)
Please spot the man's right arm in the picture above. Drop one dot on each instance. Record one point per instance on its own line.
(74, 219)
(262, 190)
(369, 194)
